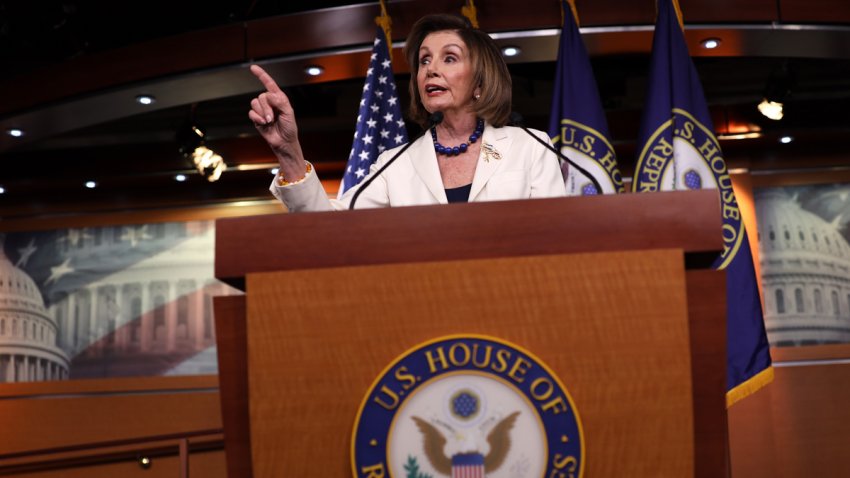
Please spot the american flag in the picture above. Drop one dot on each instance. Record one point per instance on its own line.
(380, 125)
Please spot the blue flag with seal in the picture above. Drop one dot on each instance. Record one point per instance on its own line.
(577, 123)
(380, 125)
(678, 151)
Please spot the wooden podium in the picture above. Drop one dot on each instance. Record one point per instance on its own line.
(614, 293)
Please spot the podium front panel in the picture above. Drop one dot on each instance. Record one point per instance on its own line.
(612, 326)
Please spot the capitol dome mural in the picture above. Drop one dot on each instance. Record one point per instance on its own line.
(112, 301)
(805, 264)
(28, 350)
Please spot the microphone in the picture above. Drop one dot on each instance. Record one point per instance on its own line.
(433, 120)
(516, 120)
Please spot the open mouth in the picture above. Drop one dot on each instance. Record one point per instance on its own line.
(433, 89)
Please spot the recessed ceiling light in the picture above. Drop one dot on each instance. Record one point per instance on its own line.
(15, 132)
(511, 51)
(180, 178)
(2, 190)
(315, 70)
(711, 43)
(145, 99)
(91, 184)
(786, 139)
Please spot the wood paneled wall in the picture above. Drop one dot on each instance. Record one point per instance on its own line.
(797, 426)
(99, 427)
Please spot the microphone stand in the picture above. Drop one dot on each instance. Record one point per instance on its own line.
(516, 120)
(435, 119)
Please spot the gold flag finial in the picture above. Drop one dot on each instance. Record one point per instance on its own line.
(470, 12)
(573, 8)
(385, 22)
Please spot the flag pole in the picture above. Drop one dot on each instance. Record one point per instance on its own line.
(380, 123)
(572, 4)
(676, 8)
(385, 22)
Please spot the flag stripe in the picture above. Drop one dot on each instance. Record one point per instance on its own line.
(468, 471)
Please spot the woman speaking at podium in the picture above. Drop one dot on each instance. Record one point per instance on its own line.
(460, 91)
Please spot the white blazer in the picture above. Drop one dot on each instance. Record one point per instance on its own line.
(511, 165)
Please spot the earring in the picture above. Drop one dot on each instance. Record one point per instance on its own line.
(477, 95)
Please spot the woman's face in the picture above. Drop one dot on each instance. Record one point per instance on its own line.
(445, 73)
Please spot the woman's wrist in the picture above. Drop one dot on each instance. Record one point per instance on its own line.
(292, 163)
(290, 175)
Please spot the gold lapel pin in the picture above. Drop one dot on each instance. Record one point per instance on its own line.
(490, 152)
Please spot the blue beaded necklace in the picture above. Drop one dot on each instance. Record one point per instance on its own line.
(456, 150)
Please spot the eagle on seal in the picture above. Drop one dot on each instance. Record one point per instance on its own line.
(434, 443)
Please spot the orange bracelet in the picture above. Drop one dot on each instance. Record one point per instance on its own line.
(281, 181)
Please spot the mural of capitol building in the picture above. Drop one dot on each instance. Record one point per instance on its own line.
(132, 300)
(805, 265)
(28, 350)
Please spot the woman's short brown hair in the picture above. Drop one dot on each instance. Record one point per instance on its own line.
(489, 71)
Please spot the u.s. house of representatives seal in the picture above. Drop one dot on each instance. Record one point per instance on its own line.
(693, 160)
(467, 406)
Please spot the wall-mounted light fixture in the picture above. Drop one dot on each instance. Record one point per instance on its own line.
(776, 92)
(191, 140)
(774, 110)
(208, 163)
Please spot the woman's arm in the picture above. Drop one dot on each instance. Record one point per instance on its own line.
(274, 118)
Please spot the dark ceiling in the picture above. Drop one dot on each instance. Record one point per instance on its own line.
(78, 132)
(38, 34)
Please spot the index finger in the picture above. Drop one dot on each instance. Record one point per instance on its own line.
(267, 80)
